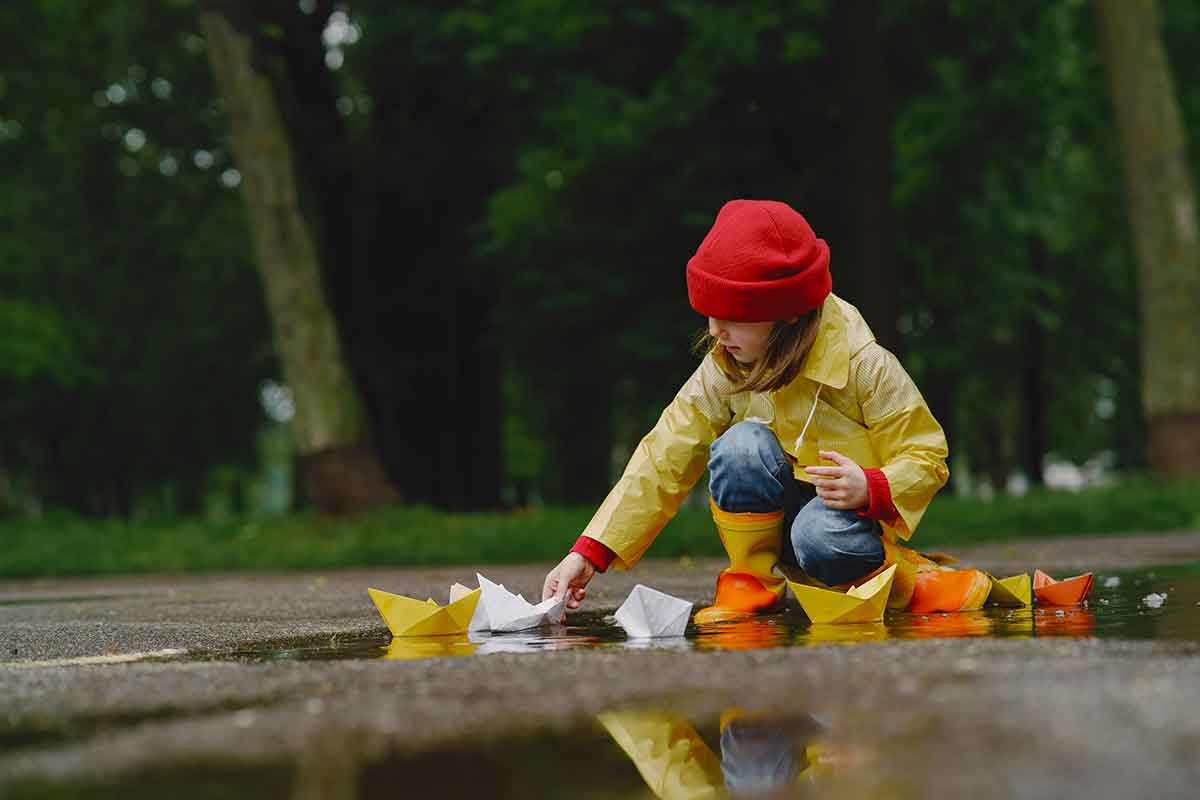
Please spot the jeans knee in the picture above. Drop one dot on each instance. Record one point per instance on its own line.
(746, 445)
(835, 546)
(746, 469)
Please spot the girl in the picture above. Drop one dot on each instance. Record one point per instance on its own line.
(792, 376)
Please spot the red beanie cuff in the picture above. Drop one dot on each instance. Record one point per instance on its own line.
(760, 262)
(761, 301)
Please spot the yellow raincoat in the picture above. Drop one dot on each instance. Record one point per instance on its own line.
(863, 405)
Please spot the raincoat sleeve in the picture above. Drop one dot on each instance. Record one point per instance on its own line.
(909, 442)
(664, 467)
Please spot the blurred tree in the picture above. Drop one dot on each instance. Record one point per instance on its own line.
(870, 245)
(1002, 201)
(1162, 208)
(336, 461)
(133, 340)
(426, 140)
(642, 120)
(500, 196)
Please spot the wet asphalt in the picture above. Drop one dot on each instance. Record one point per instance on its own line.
(1012, 718)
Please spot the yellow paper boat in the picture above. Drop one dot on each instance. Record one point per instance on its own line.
(406, 616)
(863, 603)
(1015, 591)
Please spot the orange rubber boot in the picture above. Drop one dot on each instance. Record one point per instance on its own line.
(749, 586)
(911, 571)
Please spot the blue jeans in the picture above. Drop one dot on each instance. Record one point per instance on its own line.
(748, 471)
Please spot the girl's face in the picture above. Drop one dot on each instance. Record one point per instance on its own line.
(746, 342)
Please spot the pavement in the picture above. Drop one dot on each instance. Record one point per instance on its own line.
(84, 708)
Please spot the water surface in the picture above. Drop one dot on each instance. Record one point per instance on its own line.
(1120, 607)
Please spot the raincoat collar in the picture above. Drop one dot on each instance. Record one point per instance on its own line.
(828, 361)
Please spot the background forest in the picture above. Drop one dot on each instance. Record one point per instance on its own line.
(500, 198)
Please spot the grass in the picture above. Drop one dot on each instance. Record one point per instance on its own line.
(64, 545)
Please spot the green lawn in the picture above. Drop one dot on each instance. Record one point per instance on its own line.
(64, 545)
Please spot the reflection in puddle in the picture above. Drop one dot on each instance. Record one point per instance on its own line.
(753, 753)
(1115, 610)
(670, 751)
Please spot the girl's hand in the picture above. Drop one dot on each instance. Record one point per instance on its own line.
(843, 486)
(569, 580)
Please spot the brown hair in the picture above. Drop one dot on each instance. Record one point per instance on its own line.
(787, 345)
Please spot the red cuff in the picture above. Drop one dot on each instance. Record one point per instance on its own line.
(599, 554)
(879, 497)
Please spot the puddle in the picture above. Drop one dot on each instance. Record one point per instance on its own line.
(1120, 607)
(663, 751)
(653, 753)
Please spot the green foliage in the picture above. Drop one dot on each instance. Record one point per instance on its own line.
(132, 329)
(34, 344)
(562, 160)
(416, 536)
(1004, 144)
(635, 127)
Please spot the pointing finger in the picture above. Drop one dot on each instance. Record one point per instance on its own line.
(823, 470)
(835, 457)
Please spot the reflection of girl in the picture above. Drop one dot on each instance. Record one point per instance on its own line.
(792, 376)
(761, 754)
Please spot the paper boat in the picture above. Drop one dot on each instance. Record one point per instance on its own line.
(1013, 591)
(501, 611)
(1067, 592)
(648, 612)
(406, 616)
(863, 603)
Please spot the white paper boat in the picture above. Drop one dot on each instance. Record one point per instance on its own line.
(501, 611)
(649, 613)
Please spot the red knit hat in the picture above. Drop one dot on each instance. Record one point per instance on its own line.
(761, 262)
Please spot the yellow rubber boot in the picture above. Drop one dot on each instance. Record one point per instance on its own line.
(749, 585)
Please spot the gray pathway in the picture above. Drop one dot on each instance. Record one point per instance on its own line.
(1012, 718)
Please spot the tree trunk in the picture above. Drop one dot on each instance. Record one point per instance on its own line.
(939, 391)
(582, 429)
(868, 110)
(1162, 205)
(338, 468)
(1034, 394)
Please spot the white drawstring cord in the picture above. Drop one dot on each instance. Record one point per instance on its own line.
(804, 430)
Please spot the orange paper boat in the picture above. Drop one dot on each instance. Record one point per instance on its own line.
(1067, 592)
